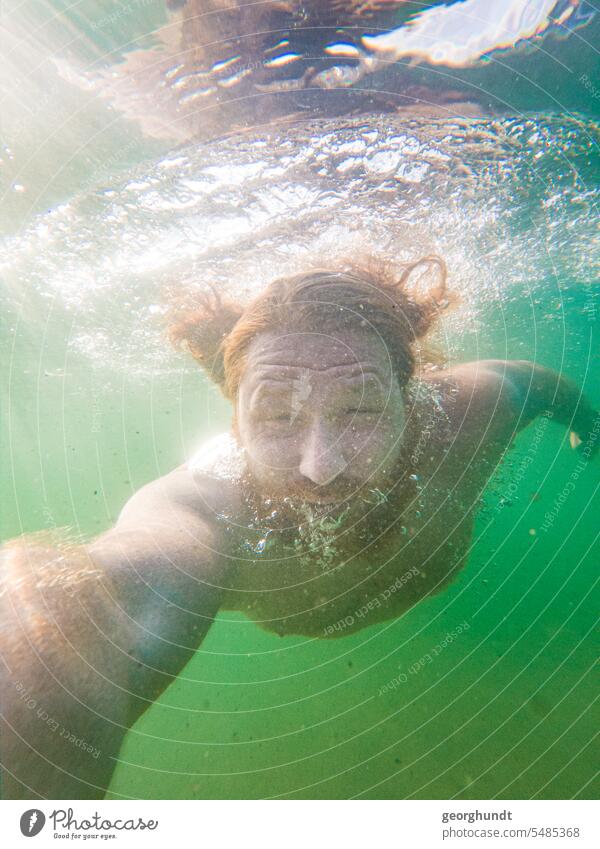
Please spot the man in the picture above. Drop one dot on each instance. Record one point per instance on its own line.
(350, 481)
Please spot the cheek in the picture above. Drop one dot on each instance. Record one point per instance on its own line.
(371, 435)
(371, 446)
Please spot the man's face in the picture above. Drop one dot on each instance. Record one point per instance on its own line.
(321, 416)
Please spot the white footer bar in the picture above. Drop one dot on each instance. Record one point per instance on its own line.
(301, 824)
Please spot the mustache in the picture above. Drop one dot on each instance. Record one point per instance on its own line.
(340, 491)
(376, 490)
(323, 502)
(332, 494)
(298, 493)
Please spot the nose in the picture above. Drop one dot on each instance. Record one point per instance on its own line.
(322, 460)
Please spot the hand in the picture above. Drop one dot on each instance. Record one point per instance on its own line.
(585, 438)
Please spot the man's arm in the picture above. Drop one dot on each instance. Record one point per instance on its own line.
(537, 390)
(91, 635)
(515, 392)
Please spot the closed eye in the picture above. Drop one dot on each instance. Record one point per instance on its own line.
(281, 420)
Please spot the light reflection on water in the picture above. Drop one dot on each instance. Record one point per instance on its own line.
(506, 202)
(218, 66)
(88, 89)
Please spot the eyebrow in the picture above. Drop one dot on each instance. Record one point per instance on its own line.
(364, 379)
(295, 372)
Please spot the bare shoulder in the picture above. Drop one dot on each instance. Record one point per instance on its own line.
(478, 398)
(182, 492)
(479, 383)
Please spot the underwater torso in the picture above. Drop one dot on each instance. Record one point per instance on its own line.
(324, 575)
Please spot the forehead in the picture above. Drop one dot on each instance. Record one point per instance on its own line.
(344, 353)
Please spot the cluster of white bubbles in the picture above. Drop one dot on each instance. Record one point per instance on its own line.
(505, 201)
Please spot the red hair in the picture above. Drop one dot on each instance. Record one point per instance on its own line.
(218, 332)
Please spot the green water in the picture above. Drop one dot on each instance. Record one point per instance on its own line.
(493, 692)
(505, 709)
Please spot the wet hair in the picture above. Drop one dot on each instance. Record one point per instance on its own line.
(218, 332)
